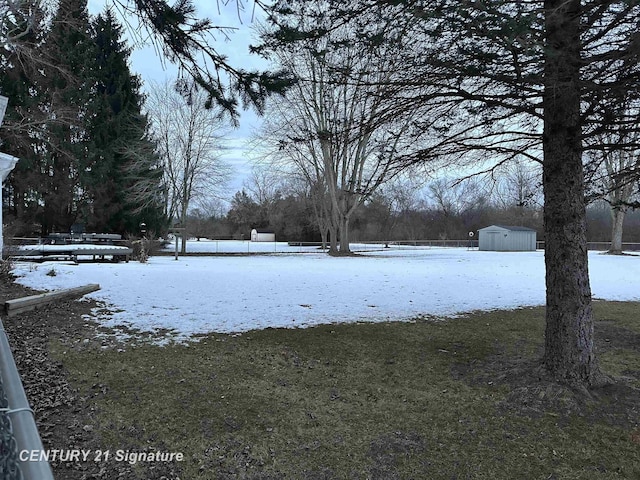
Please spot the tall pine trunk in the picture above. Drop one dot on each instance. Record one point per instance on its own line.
(569, 347)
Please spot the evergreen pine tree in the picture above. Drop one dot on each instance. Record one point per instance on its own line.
(121, 176)
(68, 87)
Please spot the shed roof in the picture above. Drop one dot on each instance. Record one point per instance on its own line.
(511, 228)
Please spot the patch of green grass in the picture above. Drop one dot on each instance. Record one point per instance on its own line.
(622, 362)
(426, 399)
(624, 314)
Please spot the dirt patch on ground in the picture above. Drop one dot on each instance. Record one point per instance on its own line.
(63, 414)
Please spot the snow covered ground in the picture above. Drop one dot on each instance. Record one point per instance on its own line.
(241, 293)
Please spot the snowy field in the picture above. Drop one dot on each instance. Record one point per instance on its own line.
(241, 293)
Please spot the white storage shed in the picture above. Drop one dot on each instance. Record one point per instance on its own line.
(503, 238)
(262, 236)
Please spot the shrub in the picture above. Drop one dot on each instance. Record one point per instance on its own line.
(144, 247)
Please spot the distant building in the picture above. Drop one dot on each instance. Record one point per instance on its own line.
(262, 236)
(503, 238)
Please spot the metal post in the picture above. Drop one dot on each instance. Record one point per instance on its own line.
(22, 419)
(7, 162)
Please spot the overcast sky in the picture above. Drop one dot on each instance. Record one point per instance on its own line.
(147, 63)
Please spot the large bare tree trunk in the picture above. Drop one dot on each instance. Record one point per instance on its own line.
(569, 347)
(333, 240)
(324, 237)
(184, 237)
(345, 248)
(617, 216)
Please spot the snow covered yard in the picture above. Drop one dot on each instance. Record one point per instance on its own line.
(236, 294)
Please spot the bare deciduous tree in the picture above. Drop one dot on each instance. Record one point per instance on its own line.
(612, 178)
(189, 137)
(457, 199)
(621, 191)
(517, 190)
(264, 185)
(338, 125)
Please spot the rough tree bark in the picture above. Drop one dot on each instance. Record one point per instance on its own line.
(569, 346)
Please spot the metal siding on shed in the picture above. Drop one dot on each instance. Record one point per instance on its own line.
(490, 238)
(517, 241)
(502, 239)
